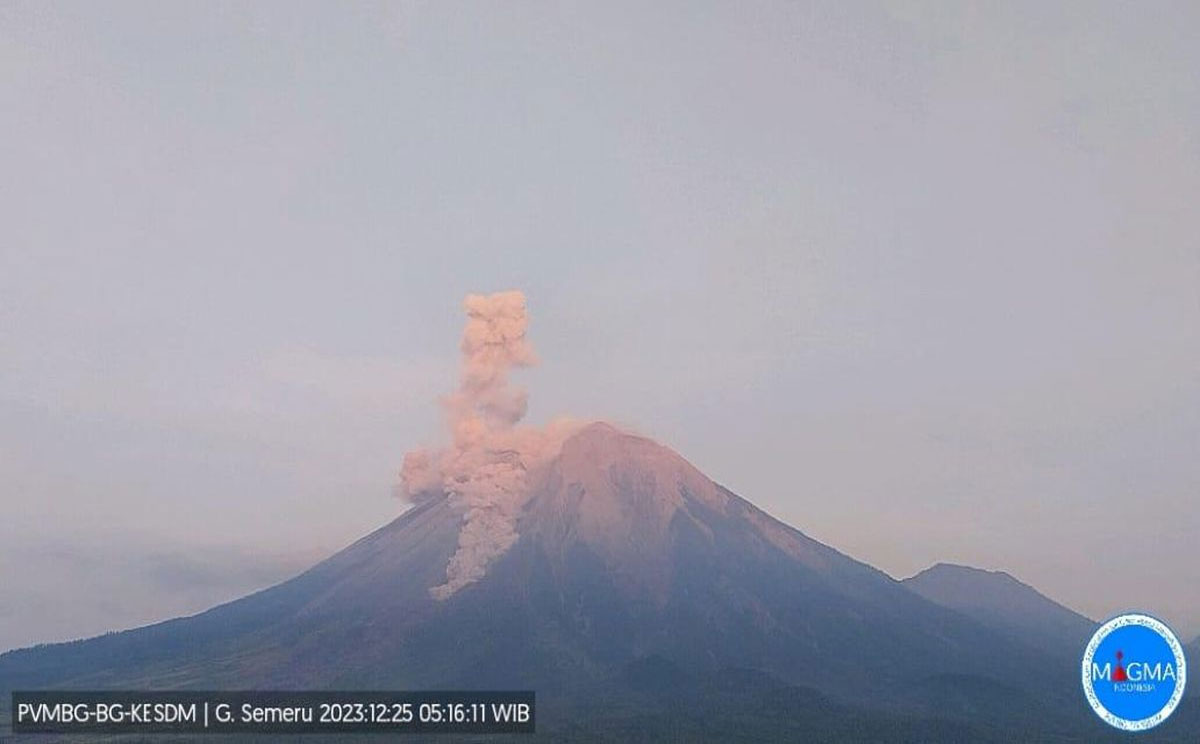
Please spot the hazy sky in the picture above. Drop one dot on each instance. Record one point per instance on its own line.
(922, 280)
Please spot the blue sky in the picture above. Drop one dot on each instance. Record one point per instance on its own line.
(921, 281)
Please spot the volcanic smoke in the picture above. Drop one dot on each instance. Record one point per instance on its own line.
(485, 470)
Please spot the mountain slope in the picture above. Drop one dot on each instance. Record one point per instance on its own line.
(1192, 653)
(1003, 603)
(625, 553)
(270, 638)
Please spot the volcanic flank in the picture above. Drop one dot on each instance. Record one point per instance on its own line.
(602, 570)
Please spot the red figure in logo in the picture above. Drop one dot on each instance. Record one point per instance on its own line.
(1118, 674)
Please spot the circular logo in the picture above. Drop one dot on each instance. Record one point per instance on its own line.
(1134, 672)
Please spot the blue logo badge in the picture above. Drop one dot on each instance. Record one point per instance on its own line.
(1134, 672)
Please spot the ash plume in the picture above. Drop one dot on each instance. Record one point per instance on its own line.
(485, 470)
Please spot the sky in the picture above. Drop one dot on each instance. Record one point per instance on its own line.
(919, 279)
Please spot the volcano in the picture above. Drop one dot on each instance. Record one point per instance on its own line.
(636, 589)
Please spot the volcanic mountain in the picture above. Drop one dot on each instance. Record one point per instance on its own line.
(637, 595)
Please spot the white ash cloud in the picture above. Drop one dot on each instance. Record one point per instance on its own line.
(486, 468)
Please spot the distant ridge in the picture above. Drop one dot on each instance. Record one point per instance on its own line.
(1005, 604)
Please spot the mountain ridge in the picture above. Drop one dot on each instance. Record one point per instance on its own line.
(1004, 603)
